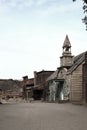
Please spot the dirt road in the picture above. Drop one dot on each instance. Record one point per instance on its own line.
(42, 116)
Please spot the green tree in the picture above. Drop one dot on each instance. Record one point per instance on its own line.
(85, 11)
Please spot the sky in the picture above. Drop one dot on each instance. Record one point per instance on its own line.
(32, 33)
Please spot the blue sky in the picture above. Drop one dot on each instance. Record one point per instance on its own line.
(32, 33)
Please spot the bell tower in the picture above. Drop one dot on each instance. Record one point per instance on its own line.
(66, 58)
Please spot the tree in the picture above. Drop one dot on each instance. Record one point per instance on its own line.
(83, 0)
(85, 11)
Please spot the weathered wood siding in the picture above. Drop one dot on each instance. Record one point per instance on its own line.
(85, 80)
(66, 60)
(85, 83)
(76, 85)
(40, 77)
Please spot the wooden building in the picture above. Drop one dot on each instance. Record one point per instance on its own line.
(58, 85)
(69, 81)
(40, 84)
(77, 79)
(28, 85)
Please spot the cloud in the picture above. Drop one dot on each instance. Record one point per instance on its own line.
(29, 3)
(17, 2)
(51, 6)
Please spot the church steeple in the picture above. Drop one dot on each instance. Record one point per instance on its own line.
(66, 58)
(66, 45)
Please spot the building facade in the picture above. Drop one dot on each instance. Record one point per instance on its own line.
(69, 81)
(40, 84)
(77, 77)
(57, 82)
(27, 85)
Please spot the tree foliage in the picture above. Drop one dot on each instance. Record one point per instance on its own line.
(85, 11)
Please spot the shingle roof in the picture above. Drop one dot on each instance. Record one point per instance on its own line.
(76, 62)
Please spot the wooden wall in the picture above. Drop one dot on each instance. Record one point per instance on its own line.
(76, 85)
(66, 60)
(40, 77)
(85, 80)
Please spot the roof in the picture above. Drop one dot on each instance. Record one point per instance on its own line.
(30, 81)
(76, 62)
(66, 42)
(44, 71)
(38, 87)
(53, 76)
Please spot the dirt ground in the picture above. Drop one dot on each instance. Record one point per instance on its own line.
(43, 116)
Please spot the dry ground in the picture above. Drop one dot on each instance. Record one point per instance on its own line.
(43, 116)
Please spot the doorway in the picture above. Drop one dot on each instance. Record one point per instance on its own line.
(38, 94)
